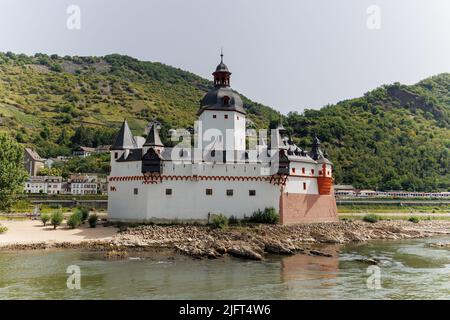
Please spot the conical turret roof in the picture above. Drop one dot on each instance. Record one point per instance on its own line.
(153, 139)
(124, 139)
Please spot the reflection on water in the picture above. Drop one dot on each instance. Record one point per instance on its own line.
(409, 270)
(304, 272)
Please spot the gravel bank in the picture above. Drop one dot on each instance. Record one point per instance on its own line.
(250, 242)
(256, 241)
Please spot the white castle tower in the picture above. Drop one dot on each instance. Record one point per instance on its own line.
(222, 115)
(149, 181)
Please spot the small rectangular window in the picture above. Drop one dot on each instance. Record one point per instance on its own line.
(303, 170)
(116, 155)
(293, 170)
(214, 116)
(320, 172)
(304, 185)
(237, 117)
(209, 192)
(229, 192)
(312, 171)
(168, 192)
(252, 193)
(135, 191)
(225, 116)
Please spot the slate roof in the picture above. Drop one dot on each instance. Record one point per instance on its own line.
(214, 100)
(124, 139)
(317, 153)
(134, 155)
(153, 139)
(222, 67)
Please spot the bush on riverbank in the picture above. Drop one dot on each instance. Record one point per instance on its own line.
(82, 212)
(74, 220)
(413, 219)
(219, 221)
(93, 220)
(45, 217)
(3, 229)
(269, 215)
(56, 219)
(372, 218)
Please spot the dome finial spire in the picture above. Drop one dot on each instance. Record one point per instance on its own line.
(222, 74)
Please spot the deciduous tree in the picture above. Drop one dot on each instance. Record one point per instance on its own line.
(12, 171)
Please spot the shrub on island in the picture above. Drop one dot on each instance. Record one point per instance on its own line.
(269, 216)
(74, 220)
(219, 221)
(413, 219)
(45, 217)
(56, 219)
(3, 229)
(83, 213)
(372, 218)
(93, 220)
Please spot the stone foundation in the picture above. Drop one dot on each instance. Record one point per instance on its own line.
(307, 208)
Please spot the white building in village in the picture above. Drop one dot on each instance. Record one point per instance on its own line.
(81, 184)
(77, 184)
(44, 185)
(219, 174)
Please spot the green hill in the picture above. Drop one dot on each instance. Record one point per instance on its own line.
(394, 137)
(44, 99)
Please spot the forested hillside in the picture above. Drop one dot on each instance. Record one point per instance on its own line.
(55, 103)
(394, 137)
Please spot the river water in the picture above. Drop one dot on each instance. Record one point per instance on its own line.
(408, 269)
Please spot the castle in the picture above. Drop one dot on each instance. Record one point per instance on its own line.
(228, 169)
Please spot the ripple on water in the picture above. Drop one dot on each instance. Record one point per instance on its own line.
(410, 269)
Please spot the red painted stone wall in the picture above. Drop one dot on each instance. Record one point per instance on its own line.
(307, 208)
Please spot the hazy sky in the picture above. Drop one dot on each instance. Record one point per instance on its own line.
(289, 54)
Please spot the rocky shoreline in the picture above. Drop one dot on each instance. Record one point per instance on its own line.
(248, 242)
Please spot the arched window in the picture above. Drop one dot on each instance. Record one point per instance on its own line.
(226, 100)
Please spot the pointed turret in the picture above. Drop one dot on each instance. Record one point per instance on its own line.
(153, 139)
(278, 141)
(317, 153)
(124, 139)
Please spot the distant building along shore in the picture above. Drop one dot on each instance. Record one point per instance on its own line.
(348, 191)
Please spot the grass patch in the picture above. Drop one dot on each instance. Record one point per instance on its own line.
(372, 218)
(413, 219)
(393, 208)
(269, 215)
(395, 217)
